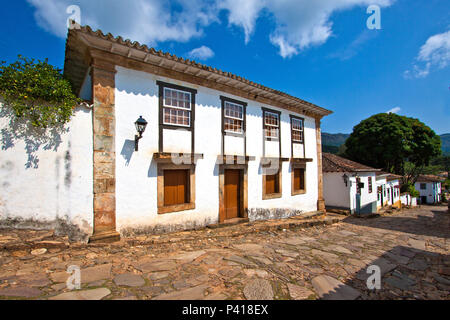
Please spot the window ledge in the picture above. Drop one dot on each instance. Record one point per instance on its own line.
(297, 192)
(301, 160)
(271, 196)
(176, 208)
(177, 158)
(233, 159)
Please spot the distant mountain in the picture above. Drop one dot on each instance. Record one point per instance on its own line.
(445, 140)
(331, 141)
(334, 139)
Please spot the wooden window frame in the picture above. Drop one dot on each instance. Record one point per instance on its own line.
(244, 114)
(278, 113)
(163, 126)
(224, 99)
(225, 117)
(189, 110)
(370, 184)
(279, 194)
(292, 135)
(293, 167)
(162, 209)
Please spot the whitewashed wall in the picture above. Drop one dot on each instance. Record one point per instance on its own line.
(432, 191)
(47, 182)
(136, 189)
(336, 194)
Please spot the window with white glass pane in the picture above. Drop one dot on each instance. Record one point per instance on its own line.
(297, 130)
(177, 107)
(271, 125)
(233, 117)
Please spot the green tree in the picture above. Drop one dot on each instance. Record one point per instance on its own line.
(37, 91)
(388, 141)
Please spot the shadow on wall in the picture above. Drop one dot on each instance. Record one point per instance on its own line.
(127, 151)
(19, 129)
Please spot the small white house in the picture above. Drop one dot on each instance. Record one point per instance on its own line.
(349, 185)
(165, 144)
(430, 188)
(388, 190)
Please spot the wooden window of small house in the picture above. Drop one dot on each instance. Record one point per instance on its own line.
(297, 130)
(299, 179)
(370, 185)
(423, 186)
(271, 125)
(177, 107)
(233, 117)
(272, 184)
(176, 187)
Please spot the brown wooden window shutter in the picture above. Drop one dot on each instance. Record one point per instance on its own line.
(272, 184)
(299, 179)
(176, 187)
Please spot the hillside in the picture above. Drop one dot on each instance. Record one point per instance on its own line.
(332, 141)
(445, 139)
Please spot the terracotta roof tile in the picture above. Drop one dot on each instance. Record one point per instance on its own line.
(429, 178)
(334, 163)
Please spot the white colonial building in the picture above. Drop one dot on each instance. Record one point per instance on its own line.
(349, 185)
(430, 188)
(216, 147)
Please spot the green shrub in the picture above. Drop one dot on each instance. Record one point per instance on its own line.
(37, 91)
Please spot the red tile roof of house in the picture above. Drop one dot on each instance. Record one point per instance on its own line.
(429, 178)
(334, 163)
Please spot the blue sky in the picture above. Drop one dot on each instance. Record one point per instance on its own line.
(320, 51)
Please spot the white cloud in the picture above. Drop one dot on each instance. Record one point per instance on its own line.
(394, 110)
(146, 21)
(435, 53)
(243, 13)
(298, 24)
(201, 53)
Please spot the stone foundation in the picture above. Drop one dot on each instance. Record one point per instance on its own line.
(255, 214)
(62, 227)
(165, 228)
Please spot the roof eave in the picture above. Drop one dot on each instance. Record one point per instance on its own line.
(136, 51)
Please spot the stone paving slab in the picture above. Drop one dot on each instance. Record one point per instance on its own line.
(329, 288)
(246, 261)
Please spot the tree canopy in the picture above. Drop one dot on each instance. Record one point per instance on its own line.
(388, 141)
(37, 91)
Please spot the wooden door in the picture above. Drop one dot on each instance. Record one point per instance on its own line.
(232, 194)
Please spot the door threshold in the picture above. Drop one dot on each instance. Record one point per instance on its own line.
(229, 222)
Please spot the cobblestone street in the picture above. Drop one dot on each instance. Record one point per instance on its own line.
(327, 261)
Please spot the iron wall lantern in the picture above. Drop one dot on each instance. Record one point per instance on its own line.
(140, 124)
(345, 177)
